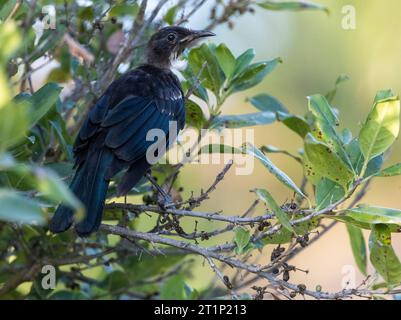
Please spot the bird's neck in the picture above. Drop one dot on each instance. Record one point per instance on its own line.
(158, 60)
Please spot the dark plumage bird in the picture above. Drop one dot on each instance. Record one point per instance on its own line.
(113, 136)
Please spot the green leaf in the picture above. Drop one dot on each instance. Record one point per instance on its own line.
(174, 289)
(362, 225)
(320, 161)
(17, 208)
(281, 216)
(13, 124)
(281, 237)
(243, 61)
(10, 41)
(219, 148)
(381, 128)
(241, 239)
(169, 17)
(253, 75)
(265, 102)
(358, 247)
(54, 189)
(382, 255)
(375, 215)
(63, 138)
(194, 115)
(212, 77)
(273, 149)
(346, 136)
(296, 123)
(358, 160)
(226, 60)
(331, 94)
(280, 175)
(244, 120)
(327, 193)
(326, 122)
(394, 170)
(292, 6)
(42, 101)
(124, 10)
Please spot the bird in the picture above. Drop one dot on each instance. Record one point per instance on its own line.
(112, 137)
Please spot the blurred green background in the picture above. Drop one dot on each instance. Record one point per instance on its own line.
(316, 50)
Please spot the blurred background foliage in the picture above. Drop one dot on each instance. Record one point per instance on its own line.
(314, 49)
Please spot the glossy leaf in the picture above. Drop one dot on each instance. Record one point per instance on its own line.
(296, 123)
(253, 75)
(320, 161)
(382, 255)
(42, 101)
(363, 225)
(212, 77)
(358, 247)
(381, 127)
(243, 61)
(281, 216)
(280, 175)
(358, 160)
(226, 60)
(375, 215)
(326, 122)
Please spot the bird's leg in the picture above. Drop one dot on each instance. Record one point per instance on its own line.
(166, 198)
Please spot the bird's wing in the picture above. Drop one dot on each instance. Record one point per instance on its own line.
(122, 127)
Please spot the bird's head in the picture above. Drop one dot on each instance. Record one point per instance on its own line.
(169, 42)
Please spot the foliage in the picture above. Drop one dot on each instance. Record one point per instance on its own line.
(37, 129)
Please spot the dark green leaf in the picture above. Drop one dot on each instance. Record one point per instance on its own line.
(194, 115)
(281, 216)
(358, 247)
(253, 75)
(226, 60)
(295, 123)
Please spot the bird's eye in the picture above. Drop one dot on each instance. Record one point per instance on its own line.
(171, 37)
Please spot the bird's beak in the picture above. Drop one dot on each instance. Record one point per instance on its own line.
(195, 35)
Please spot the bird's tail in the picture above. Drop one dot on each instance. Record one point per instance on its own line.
(90, 186)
